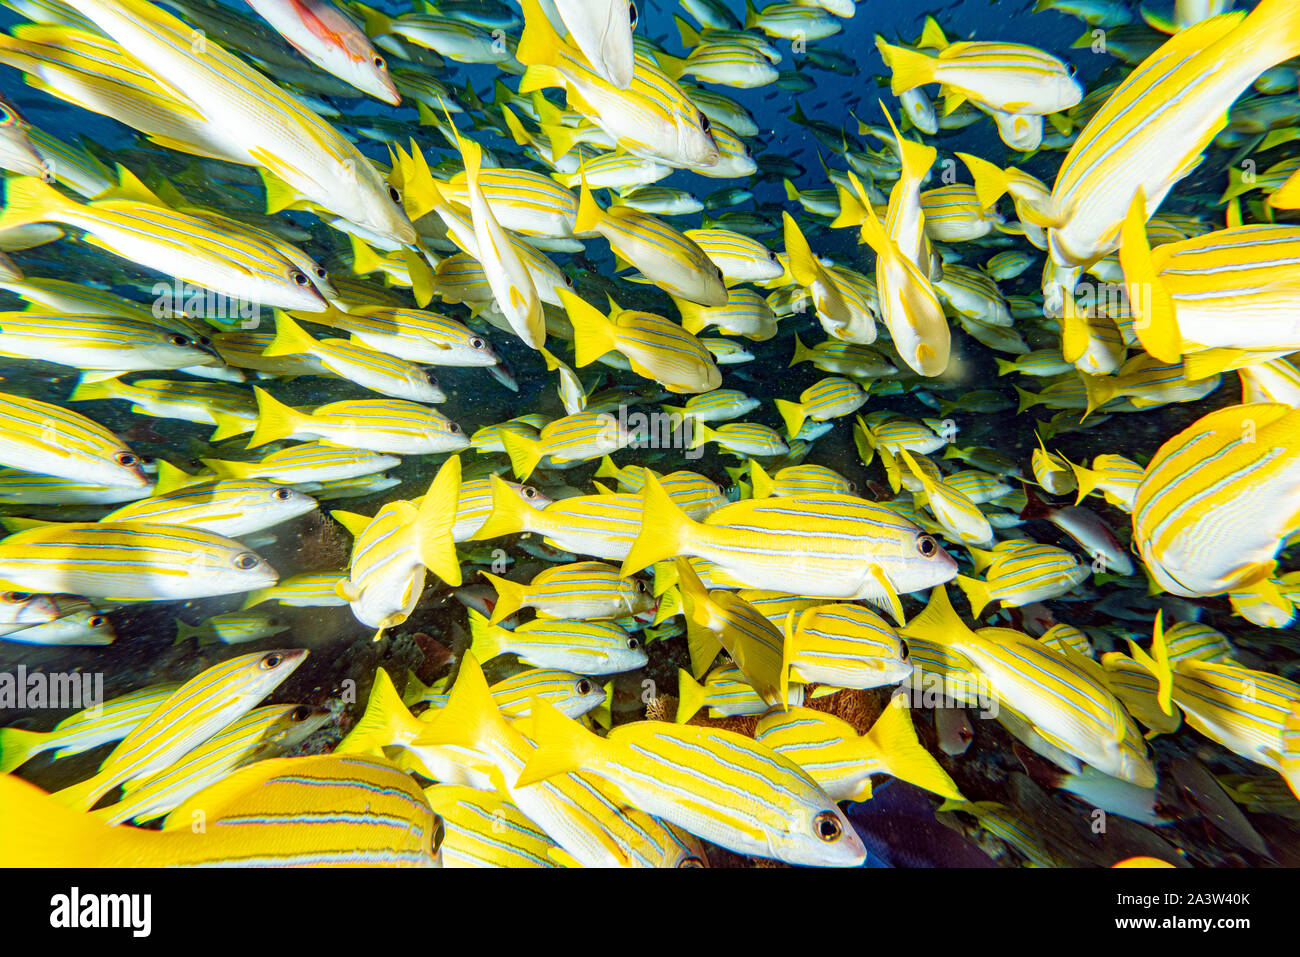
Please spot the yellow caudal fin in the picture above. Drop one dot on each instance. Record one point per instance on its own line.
(1157, 662)
(228, 426)
(801, 352)
(1099, 390)
(1075, 334)
(893, 743)
(279, 194)
(874, 235)
(917, 158)
(852, 211)
(793, 414)
(977, 593)
(524, 451)
(422, 282)
(38, 831)
(354, 522)
(761, 481)
(275, 420)
(436, 516)
(909, 68)
(691, 696)
(18, 746)
(694, 316)
(386, 722)
(932, 35)
(563, 745)
(469, 717)
(29, 199)
(665, 537)
(1087, 480)
(607, 468)
(1154, 317)
(485, 637)
(590, 215)
(88, 390)
(230, 470)
(540, 43)
(592, 332)
(290, 338)
(991, 181)
(510, 597)
(518, 133)
(803, 264)
(509, 515)
(373, 22)
(939, 623)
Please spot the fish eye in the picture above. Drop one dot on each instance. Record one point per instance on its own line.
(477, 343)
(246, 560)
(640, 587)
(584, 687)
(705, 124)
(828, 827)
(321, 274)
(127, 459)
(454, 428)
(431, 378)
(203, 341)
(299, 279)
(528, 492)
(568, 281)
(97, 621)
(282, 494)
(300, 713)
(774, 257)
(12, 597)
(379, 63)
(903, 650)
(691, 862)
(271, 661)
(394, 195)
(853, 488)
(178, 340)
(439, 832)
(927, 546)
(633, 15)
(633, 644)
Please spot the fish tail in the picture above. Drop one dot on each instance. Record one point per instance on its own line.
(1270, 34)
(672, 66)
(290, 338)
(509, 515)
(932, 34)
(791, 192)
(689, 35)
(386, 721)
(18, 746)
(279, 194)
(893, 737)
(184, 632)
(1157, 662)
(589, 213)
(485, 637)
(354, 522)
(1005, 367)
(436, 517)
(909, 68)
(793, 414)
(540, 42)
(761, 481)
(38, 831)
(373, 22)
(691, 696)
(227, 426)
(90, 390)
(801, 352)
(1099, 390)
(873, 232)
(230, 470)
(802, 262)
(607, 468)
(938, 621)
(693, 316)
(977, 593)
(1087, 480)
(563, 745)
(29, 199)
(275, 420)
(525, 452)
(364, 260)
(1289, 763)
(592, 336)
(469, 715)
(665, 535)
(851, 211)
(1154, 318)
(510, 597)
(1027, 399)
(917, 158)
(540, 76)
(255, 598)
(517, 130)
(991, 181)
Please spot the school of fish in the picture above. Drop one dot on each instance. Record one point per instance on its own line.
(781, 548)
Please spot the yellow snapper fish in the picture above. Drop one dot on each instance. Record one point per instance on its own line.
(746, 314)
(657, 348)
(830, 398)
(844, 646)
(833, 546)
(959, 516)
(375, 425)
(652, 117)
(580, 590)
(835, 309)
(229, 507)
(84, 731)
(1217, 502)
(100, 343)
(1064, 696)
(1019, 572)
(321, 811)
(485, 830)
(1006, 77)
(1168, 109)
(603, 32)
(170, 242)
(582, 647)
(45, 438)
(311, 461)
(571, 440)
(268, 126)
(842, 761)
(667, 258)
(393, 550)
(603, 525)
(192, 714)
(726, 692)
